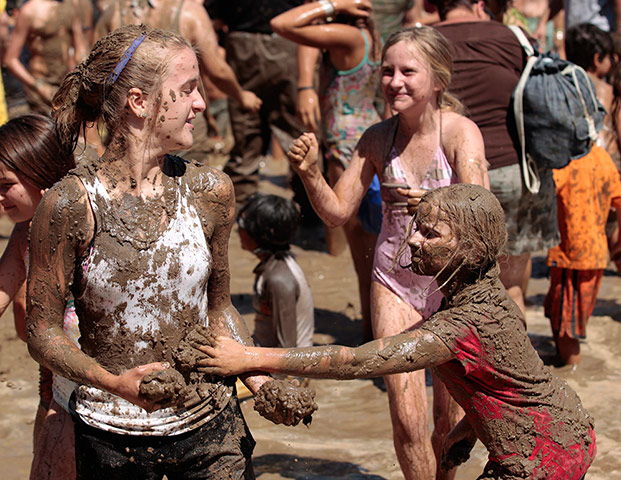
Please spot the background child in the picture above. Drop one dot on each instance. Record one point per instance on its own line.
(586, 190)
(282, 298)
(532, 423)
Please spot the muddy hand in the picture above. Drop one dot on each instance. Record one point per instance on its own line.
(225, 358)
(128, 384)
(250, 101)
(457, 446)
(304, 152)
(412, 197)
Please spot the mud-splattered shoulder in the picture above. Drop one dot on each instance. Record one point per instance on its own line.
(210, 184)
(378, 139)
(63, 216)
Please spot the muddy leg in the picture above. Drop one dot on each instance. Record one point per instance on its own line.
(568, 350)
(54, 457)
(446, 414)
(406, 392)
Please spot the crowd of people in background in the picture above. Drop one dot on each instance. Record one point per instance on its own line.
(375, 103)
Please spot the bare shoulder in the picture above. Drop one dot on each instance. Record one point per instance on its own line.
(456, 129)
(194, 21)
(65, 211)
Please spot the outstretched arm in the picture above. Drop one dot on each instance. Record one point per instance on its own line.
(406, 352)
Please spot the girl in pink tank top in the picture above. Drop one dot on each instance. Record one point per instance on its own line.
(420, 292)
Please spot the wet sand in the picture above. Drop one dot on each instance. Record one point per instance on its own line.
(350, 436)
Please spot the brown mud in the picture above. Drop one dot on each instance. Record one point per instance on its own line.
(350, 437)
(286, 402)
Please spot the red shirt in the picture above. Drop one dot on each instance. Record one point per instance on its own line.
(532, 423)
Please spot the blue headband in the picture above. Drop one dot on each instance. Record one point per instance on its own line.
(124, 59)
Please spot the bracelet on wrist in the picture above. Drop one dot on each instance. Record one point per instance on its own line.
(328, 9)
(306, 87)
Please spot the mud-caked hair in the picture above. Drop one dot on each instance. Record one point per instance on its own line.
(270, 220)
(477, 220)
(29, 145)
(437, 54)
(89, 95)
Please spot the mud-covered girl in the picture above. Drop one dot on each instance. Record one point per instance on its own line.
(140, 238)
(532, 423)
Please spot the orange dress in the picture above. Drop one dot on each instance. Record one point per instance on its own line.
(586, 190)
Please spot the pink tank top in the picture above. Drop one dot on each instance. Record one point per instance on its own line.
(418, 291)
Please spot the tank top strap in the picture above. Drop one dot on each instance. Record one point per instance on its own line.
(365, 59)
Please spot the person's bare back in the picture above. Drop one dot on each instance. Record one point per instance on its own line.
(48, 29)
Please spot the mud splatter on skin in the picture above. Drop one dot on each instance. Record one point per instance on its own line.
(286, 402)
(172, 94)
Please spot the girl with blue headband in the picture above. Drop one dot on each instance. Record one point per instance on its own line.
(140, 238)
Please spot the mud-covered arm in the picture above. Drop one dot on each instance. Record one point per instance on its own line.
(465, 149)
(61, 228)
(223, 316)
(406, 352)
(458, 445)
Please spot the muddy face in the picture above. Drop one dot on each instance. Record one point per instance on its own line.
(433, 245)
(180, 102)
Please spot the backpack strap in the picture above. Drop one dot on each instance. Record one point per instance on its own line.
(530, 174)
(521, 36)
(573, 70)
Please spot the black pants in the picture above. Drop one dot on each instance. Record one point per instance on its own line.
(220, 449)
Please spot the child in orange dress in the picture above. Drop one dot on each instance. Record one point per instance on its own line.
(586, 189)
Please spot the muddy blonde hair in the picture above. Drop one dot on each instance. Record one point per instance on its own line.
(86, 96)
(477, 219)
(436, 52)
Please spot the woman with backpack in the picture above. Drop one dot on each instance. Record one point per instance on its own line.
(488, 62)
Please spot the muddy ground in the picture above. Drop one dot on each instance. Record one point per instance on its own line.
(350, 436)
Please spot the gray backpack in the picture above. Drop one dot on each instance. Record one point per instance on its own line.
(556, 110)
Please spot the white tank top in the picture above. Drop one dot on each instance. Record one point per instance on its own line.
(173, 273)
